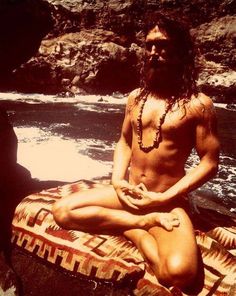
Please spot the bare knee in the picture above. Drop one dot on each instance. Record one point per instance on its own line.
(61, 214)
(148, 247)
(177, 271)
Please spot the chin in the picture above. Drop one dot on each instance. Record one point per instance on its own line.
(161, 78)
(156, 79)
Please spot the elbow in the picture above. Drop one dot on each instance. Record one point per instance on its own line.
(210, 165)
(213, 169)
(209, 168)
(113, 181)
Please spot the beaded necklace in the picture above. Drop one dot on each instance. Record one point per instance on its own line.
(157, 139)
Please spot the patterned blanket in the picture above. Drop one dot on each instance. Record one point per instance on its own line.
(114, 258)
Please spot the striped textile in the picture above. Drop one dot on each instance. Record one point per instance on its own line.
(114, 258)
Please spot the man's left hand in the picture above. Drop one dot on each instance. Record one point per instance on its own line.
(142, 198)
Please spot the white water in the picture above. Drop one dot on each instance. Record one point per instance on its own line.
(40, 98)
(49, 155)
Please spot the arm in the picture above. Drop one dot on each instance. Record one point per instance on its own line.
(122, 156)
(207, 147)
(122, 151)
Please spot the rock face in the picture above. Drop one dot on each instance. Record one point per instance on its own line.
(216, 42)
(88, 60)
(96, 46)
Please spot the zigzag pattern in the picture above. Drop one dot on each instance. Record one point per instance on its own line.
(113, 257)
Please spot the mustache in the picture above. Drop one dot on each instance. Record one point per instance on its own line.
(155, 72)
(155, 63)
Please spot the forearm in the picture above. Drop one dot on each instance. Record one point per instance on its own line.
(121, 162)
(191, 181)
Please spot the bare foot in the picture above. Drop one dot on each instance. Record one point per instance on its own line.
(167, 220)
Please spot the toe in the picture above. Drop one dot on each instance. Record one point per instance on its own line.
(165, 224)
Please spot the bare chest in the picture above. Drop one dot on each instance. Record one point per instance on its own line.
(172, 124)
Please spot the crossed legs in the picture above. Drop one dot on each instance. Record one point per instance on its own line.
(172, 255)
(171, 251)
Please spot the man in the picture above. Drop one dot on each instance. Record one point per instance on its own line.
(164, 121)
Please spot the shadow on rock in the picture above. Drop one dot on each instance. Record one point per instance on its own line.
(209, 211)
(23, 24)
(15, 184)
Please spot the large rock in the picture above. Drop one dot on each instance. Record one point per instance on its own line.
(92, 60)
(8, 143)
(96, 46)
(216, 42)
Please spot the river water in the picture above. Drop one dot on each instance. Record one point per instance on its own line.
(67, 139)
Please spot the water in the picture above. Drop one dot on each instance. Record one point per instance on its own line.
(68, 139)
(65, 139)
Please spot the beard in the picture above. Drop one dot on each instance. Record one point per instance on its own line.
(160, 76)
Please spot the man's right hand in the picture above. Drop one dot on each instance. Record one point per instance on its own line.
(124, 191)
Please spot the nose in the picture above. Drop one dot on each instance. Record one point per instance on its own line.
(153, 50)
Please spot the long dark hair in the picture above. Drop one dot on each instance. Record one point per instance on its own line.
(179, 34)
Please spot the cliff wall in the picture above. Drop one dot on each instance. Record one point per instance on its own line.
(97, 46)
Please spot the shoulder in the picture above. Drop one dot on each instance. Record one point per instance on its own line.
(202, 106)
(132, 99)
(202, 100)
(133, 95)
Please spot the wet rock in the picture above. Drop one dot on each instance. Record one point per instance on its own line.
(11, 172)
(8, 143)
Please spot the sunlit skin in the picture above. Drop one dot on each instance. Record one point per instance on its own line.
(150, 208)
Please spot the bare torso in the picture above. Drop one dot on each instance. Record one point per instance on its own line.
(162, 167)
(152, 214)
